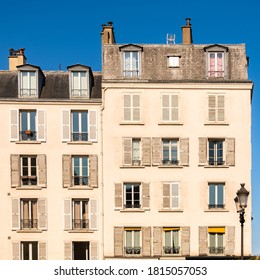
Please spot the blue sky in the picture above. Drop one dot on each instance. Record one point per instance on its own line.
(63, 33)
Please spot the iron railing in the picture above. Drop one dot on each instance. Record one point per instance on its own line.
(28, 135)
(80, 180)
(79, 136)
(171, 249)
(80, 223)
(29, 223)
(132, 250)
(216, 250)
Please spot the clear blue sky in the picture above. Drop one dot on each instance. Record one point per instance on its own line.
(68, 32)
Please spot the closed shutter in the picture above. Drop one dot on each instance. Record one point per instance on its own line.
(185, 241)
(157, 241)
(146, 151)
(145, 195)
(67, 214)
(118, 196)
(94, 250)
(16, 250)
(42, 251)
(15, 171)
(146, 241)
(41, 131)
(136, 107)
(203, 241)
(175, 195)
(42, 213)
(93, 171)
(14, 125)
(165, 107)
(221, 108)
(42, 171)
(203, 151)
(67, 250)
(184, 151)
(212, 107)
(156, 150)
(92, 130)
(127, 107)
(127, 151)
(166, 195)
(15, 213)
(174, 108)
(230, 151)
(93, 213)
(230, 243)
(66, 125)
(66, 168)
(118, 241)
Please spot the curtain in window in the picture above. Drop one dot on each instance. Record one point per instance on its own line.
(136, 238)
(136, 149)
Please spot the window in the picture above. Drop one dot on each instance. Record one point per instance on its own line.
(132, 241)
(131, 64)
(216, 108)
(28, 126)
(216, 240)
(170, 107)
(171, 241)
(80, 170)
(132, 196)
(28, 170)
(170, 152)
(80, 214)
(132, 151)
(29, 250)
(29, 214)
(216, 196)
(216, 64)
(131, 108)
(215, 152)
(79, 84)
(174, 61)
(28, 86)
(171, 195)
(79, 126)
(80, 251)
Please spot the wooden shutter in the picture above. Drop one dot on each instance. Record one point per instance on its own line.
(66, 168)
(118, 196)
(166, 195)
(93, 171)
(14, 125)
(203, 241)
(92, 130)
(136, 107)
(185, 241)
(41, 130)
(127, 151)
(15, 213)
(165, 107)
(93, 214)
(68, 250)
(230, 243)
(203, 151)
(184, 151)
(127, 107)
(145, 195)
(15, 171)
(16, 250)
(42, 213)
(157, 241)
(146, 151)
(42, 251)
(174, 107)
(146, 241)
(230, 151)
(67, 214)
(212, 108)
(66, 125)
(156, 150)
(94, 250)
(118, 241)
(221, 108)
(42, 182)
(175, 195)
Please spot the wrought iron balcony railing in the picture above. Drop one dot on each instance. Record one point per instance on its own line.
(136, 162)
(216, 206)
(135, 205)
(216, 250)
(29, 223)
(80, 224)
(171, 250)
(170, 162)
(28, 135)
(80, 180)
(79, 136)
(132, 250)
(216, 162)
(131, 73)
(29, 180)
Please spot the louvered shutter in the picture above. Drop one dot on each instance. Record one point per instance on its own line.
(68, 250)
(67, 214)
(41, 130)
(185, 241)
(92, 130)
(146, 151)
(156, 150)
(94, 250)
(14, 125)
(93, 171)
(42, 182)
(230, 243)
(212, 107)
(146, 241)
(203, 151)
(93, 213)
(66, 125)
(66, 168)
(16, 250)
(184, 151)
(127, 107)
(42, 213)
(118, 241)
(157, 241)
(145, 195)
(175, 195)
(15, 213)
(203, 241)
(174, 107)
(136, 107)
(118, 196)
(166, 195)
(221, 107)
(165, 107)
(15, 171)
(230, 151)
(42, 250)
(127, 151)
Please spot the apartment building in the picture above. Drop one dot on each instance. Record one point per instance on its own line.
(176, 130)
(50, 193)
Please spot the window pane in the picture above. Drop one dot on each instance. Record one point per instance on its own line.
(175, 238)
(220, 240)
(32, 121)
(212, 240)
(220, 194)
(83, 80)
(136, 149)
(136, 238)
(168, 238)
(134, 60)
(24, 121)
(34, 251)
(32, 80)
(75, 121)
(174, 150)
(129, 238)
(212, 194)
(84, 121)
(75, 80)
(76, 166)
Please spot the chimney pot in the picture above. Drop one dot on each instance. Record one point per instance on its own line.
(187, 33)
(16, 58)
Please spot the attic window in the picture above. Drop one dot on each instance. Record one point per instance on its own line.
(173, 61)
(28, 85)
(79, 84)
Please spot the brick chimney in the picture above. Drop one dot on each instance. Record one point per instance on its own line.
(16, 58)
(107, 33)
(187, 33)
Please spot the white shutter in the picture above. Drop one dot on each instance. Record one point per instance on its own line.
(66, 125)
(67, 214)
(212, 107)
(15, 213)
(41, 127)
(42, 250)
(93, 214)
(174, 107)
(165, 107)
(136, 107)
(221, 107)
(16, 250)
(42, 213)
(92, 129)
(127, 107)
(14, 125)
(68, 250)
(94, 250)
(175, 195)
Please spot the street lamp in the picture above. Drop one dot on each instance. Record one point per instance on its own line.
(241, 204)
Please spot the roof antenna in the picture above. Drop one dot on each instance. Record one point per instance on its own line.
(170, 39)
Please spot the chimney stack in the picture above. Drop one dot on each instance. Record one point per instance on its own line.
(107, 33)
(16, 58)
(187, 33)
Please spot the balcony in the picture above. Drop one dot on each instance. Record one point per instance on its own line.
(216, 206)
(80, 180)
(80, 224)
(29, 180)
(79, 136)
(132, 250)
(216, 250)
(29, 223)
(28, 135)
(169, 162)
(216, 162)
(168, 250)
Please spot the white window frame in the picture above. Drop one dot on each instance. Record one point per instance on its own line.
(138, 250)
(30, 244)
(30, 212)
(216, 241)
(80, 132)
(216, 73)
(164, 240)
(216, 191)
(173, 61)
(82, 216)
(29, 169)
(80, 175)
(83, 90)
(133, 185)
(216, 161)
(31, 90)
(176, 144)
(131, 72)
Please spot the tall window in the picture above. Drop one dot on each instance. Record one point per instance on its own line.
(170, 107)
(80, 170)
(171, 241)
(28, 84)
(131, 64)
(131, 107)
(79, 126)
(216, 240)
(170, 152)
(29, 170)
(132, 196)
(216, 107)
(136, 151)
(79, 84)
(216, 196)
(29, 216)
(27, 125)
(133, 241)
(29, 250)
(216, 64)
(80, 214)
(215, 152)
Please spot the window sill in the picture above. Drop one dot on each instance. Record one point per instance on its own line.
(132, 166)
(80, 188)
(29, 188)
(170, 166)
(171, 210)
(80, 143)
(216, 210)
(28, 142)
(80, 231)
(216, 123)
(215, 166)
(131, 123)
(29, 231)
(132, 210)
(170, 123)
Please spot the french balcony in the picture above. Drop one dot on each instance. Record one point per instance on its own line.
(29, 180)
(170, 250)
(133, 206)
(80, 224)
(80, 180)
(216, 250)
(79, 136)
(216, 162)
(28, 135)
(170, 162)
(29, 223)
(132, 250)
(216, 206)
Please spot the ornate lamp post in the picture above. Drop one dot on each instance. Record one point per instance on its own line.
(241, 204)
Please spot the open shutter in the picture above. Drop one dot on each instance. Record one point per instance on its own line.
(146, 151)
(42, 213)
(230, 243)
(203, 151)
(67, 250)
(145, 195)
(16, 250)
(184, 151)
(146, 241)
(118, 196)
(93, 213)
(93, 171)
(67, 214)
(127, 151)
(156, 150)
(166, 195)
(118, 241)
(14, 123)
(230, 151)
(15, 213)
(41, 130)
(92, 130)
(66, 168)
(157, 241)
(94, 250)
(185, 241)
(65, 125)
(42, 171)
(42, 251)
(212, 107)
(203, 241)
(15, 171)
